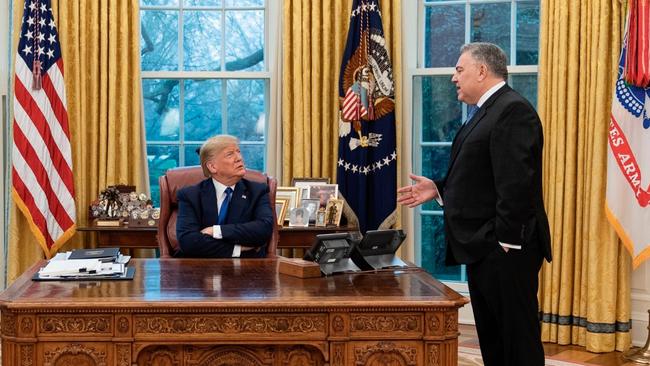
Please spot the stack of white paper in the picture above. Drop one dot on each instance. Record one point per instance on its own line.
(80, 268)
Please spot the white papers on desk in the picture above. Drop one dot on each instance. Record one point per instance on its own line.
(80, 268)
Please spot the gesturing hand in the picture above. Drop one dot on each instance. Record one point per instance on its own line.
(421, 191)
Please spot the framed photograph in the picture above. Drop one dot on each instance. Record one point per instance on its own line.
(324, 192)
(333, 212)
(311, 205)
(290, 193)
(281, 205)
(305, 183)
(298, 182)
(299, 217)
(320, 218)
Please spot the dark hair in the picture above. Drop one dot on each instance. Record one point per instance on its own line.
(489, 54)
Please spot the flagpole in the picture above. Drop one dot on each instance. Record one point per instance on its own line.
(640, 355)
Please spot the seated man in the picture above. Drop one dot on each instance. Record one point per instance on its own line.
(225, 215)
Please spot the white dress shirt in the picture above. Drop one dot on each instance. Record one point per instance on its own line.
(221, 196)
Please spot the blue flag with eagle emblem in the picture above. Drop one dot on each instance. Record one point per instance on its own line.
(367, 161)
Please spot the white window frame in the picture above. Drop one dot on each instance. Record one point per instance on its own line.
(5, 181)
(271, 10)
(413, 52)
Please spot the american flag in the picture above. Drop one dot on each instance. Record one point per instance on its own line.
(352, 109)
(42, 178)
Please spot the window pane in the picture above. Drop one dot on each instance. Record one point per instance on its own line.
(440, 110)
(526, 85)
(159, 40)
(244, 3)
(161, 109)
(202, 109)
(191, 154)
(159, 2)
(527, 33)
(434, 249)
(246, 109)
(202, 40)
(160, 158)
(435, 161)
(245, 40)
(253, 156)
(444, 33)
(491, 23)
(202, 2)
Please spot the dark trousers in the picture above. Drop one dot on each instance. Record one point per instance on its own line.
(503, 291)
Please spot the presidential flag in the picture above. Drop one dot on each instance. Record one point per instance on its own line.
(42, 184)
(367, 161)
(628, 162)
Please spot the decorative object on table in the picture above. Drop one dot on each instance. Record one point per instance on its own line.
(333, 212)
(311, 205)
(298, 267)
(281, 205)
(320, 217)
(121, 204)
(324, 192)
(291, 193)
(299, 217)
(304, 183)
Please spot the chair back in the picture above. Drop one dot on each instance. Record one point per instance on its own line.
(177, 178)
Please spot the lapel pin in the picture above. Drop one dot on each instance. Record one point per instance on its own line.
(243, 196)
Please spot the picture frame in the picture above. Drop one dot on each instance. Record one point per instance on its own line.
(299, 217)
(312, 206)
(281, 205)
(320, 218)
(305, 183)
(333, 212)
(324, 192)
(297, 182)
(290, 193)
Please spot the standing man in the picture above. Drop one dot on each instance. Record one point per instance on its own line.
(224, 215)
(494, 215)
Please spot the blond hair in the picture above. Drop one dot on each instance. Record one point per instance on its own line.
(213, 146)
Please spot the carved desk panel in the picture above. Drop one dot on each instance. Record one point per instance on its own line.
(188, 312)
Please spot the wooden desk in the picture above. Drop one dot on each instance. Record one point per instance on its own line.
(303, 237)
(145, 237)
(124, 236)
(231, 312)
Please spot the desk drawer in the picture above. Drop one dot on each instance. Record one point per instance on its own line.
(232, 326)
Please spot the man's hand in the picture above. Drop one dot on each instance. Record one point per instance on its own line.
(208, 231)
(421, 191)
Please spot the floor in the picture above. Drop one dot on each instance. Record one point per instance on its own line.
(575, 354)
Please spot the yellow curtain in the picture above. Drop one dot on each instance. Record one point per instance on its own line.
(101, 56)
(585, 291)
(313, 40)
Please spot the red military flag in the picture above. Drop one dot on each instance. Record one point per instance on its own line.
(42, 180)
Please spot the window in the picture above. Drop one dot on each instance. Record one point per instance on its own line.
(204, 72)
(443, 27)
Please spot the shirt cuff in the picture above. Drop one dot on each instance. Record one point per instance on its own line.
(236, 251)
(511, 246)
(216, 232)
(438, 197)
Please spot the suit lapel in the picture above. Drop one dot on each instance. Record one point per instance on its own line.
(237, 202)
(209, 202)
(469, 126)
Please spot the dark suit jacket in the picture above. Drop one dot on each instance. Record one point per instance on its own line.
(249, 221)
(493, 188)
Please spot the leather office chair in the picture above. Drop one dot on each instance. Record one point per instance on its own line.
(177, 178)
